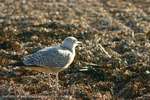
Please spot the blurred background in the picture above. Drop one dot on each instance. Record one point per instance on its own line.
(120, 27)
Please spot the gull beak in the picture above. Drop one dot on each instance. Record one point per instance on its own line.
(79, 42)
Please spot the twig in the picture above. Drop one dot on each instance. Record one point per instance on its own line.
(103, 50)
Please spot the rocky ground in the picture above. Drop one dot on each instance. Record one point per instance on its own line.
(120, 27)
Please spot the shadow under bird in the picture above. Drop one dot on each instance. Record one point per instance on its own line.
(52, 59)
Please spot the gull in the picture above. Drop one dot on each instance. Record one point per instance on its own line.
(53, 59)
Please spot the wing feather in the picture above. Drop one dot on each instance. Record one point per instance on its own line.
(51, 57)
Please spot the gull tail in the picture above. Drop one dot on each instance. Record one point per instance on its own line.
(20, 63)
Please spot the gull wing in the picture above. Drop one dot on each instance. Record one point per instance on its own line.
(50, 57)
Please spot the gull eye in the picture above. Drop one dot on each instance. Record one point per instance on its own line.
(74, 41)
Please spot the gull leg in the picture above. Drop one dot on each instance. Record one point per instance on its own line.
(49, 80)
(56, 86)
(57, 81)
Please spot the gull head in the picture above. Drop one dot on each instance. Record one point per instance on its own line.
(70, 43)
